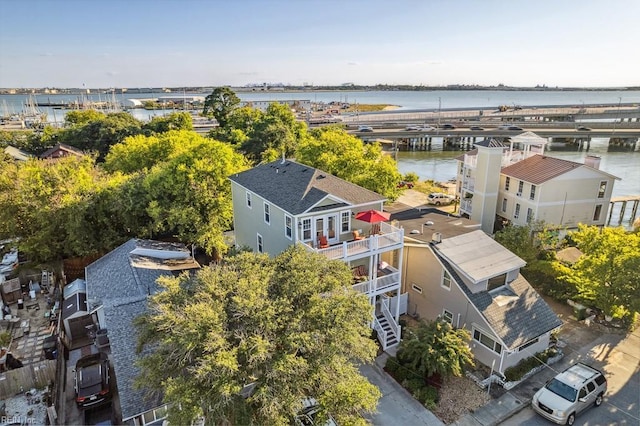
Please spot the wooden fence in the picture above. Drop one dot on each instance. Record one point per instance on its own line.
(36, 375)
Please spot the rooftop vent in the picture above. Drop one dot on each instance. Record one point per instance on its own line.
(436, 237)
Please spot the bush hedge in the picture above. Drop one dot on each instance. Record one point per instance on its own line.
(516, 372)
(412, 382)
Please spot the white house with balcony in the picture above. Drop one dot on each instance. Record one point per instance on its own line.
(516, 183)
(282, 203)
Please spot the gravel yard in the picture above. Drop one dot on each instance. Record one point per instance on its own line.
(458, 396)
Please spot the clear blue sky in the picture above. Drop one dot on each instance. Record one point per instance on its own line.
(165, 43)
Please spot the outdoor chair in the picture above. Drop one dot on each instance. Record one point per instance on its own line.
(360, 273)
(357, 236)
(322, 242)
(375, 229)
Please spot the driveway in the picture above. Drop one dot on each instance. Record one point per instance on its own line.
(618, 356)
(396, 406)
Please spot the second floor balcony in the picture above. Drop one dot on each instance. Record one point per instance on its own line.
(388, 238)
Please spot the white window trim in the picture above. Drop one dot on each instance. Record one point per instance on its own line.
(495, 341)
(444, 316)
(290, 227)
(516, 211)
(445, 274)
(249, 200)
(266, 213)
(346, 215)
(604, 193)
(259, 243)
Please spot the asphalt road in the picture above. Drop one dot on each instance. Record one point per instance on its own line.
(619, 358)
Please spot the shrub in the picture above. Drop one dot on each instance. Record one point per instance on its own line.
(414, 385)
(411, 177)
(516, 372)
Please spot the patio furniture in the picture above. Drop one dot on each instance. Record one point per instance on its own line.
(322, 242)
(360, 273)
(375, 229)
(357, 236)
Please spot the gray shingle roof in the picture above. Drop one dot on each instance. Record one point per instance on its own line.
(121, 282)
(516, 313)
(296, 188)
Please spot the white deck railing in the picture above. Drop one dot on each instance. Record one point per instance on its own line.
(389, 237)
(379, 284)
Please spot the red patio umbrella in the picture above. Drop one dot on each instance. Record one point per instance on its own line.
(373, 216)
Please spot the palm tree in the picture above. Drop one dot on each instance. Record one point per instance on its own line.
(434, 347)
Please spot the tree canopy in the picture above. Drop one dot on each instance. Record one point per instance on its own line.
(606, 274)
(288, 325)
(335, 151)
(220, 103)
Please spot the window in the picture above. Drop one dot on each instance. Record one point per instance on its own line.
(603, 189)
(345, 221)
(600, 379)
(532, 194)
(248, 199)
(416, 288)
(288, 231)
(506, 183)
(306, 229)
(487, 341)
(516, 214)
(583, 393)
(267, 215)
(526, 345)
(495, 282)
(260, 247)
(447, 316)
(446, 280)
(529, 215)
(590, 387)
(520, 187)
(596, 213)
(504, 205)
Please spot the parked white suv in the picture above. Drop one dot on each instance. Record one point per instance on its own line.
(438, 198)
(570, 392)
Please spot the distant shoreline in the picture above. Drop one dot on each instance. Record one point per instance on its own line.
(304, 89)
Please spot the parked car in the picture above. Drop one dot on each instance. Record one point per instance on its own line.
(93, 380)
(307, 416)
(405, 184)
(365, 129)
(569, 393)
(438, 198)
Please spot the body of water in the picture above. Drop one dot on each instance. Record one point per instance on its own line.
(436, 165)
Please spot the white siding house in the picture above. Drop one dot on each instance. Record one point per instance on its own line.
(282, 203)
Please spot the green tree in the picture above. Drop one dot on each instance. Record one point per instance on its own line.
(79, 118)
(288, 325)
(40, 201)
(173, 121)
(335, 151)
(434, 347)
(220, 103)
(606, 274)
(275, 133)
(521, 240)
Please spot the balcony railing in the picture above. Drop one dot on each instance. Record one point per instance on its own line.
(379, 285)
(469, 184)
(389, 238)
(465, 205)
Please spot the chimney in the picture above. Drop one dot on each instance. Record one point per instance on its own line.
(436, 237)
(592, 161)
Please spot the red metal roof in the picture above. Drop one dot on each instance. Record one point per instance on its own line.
(538, 169)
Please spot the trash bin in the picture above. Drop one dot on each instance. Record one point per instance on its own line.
(49, 346)
(20, 304)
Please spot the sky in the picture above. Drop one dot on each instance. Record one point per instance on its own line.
(175, 43)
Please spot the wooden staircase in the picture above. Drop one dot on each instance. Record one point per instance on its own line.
(392, 338)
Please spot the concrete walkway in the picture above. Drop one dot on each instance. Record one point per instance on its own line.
(396, 406)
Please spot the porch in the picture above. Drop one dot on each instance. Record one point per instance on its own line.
(388, 238)
(384, 280)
